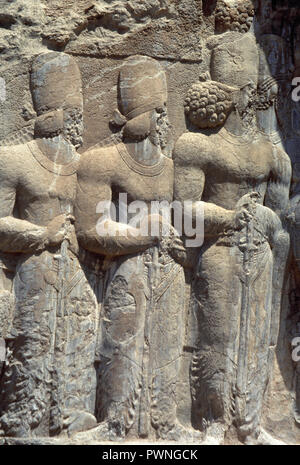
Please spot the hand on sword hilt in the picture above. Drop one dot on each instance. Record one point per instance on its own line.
(60, 229)
(246, 209)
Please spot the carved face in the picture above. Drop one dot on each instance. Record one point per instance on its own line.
(57, 92)
(154, 125)
(68, 122)
(246, 98)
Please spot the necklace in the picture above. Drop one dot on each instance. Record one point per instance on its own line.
(62, 170)
(273, 137)
(233, 139)
(145, 170)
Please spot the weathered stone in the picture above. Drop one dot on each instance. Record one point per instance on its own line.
(112, 331)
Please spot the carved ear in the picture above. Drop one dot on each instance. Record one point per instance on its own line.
(118, 119)
(49, 124)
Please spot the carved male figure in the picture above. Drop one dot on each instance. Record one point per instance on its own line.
(49, 380)
(245, 189)
(142, 319)
(274, 69)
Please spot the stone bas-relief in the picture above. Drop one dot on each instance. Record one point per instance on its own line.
(233, 168)
(55, 315)
(142, 323)
(234, 16)
(118, 335)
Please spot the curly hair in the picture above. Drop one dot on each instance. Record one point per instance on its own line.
(208, 104)
(264, 101)
(234, 18)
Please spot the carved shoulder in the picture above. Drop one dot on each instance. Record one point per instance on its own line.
(191, 149)
(98, 165)
(10, 160)
(14, 162)
(191, 154)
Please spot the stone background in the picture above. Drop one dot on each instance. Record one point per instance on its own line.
(100, 34)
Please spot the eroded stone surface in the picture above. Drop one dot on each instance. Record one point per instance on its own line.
(135, 337)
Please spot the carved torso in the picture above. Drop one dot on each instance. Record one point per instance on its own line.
(44, 189)
(231, 168)
(114, 167)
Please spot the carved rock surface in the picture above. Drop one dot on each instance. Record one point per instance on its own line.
(131, 337)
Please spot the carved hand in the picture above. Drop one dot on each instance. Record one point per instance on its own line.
(177, 250)
(59, 229)
(245, 209)
(174, 245)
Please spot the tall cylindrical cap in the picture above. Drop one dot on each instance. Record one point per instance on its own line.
(142, 86)
(55, 82)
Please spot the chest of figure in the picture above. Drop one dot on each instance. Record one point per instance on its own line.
(142, 182)
(241, 163)
(48, 192)
(145, 187)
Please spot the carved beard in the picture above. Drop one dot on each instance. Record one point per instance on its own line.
(160, 136)
(73, 127)
(164, 130)
(247, 112)
(265, 97)
(264, 102)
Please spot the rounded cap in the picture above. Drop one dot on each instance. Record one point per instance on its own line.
(55, 82)
(142, 86)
